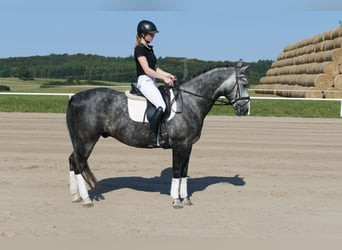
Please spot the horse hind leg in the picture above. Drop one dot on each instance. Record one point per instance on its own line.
(75, 194)
(78, 187)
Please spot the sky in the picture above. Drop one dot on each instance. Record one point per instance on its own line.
(215, 30)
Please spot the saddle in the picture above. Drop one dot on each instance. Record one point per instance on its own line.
(137, 99)
(142, 110)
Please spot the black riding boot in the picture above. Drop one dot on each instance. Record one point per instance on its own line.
(155, 121)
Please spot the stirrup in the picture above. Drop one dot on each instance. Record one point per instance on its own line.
(153, 144)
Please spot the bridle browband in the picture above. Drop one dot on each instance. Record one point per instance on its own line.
(224, 102)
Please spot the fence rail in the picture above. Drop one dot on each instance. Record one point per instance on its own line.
(252, 97)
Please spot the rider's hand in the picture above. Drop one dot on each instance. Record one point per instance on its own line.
(169, 79)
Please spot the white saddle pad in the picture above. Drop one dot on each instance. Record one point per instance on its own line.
(137, 106)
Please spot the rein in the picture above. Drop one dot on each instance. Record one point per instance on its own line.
(222, 102)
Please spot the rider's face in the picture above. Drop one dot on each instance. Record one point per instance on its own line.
(149, 37)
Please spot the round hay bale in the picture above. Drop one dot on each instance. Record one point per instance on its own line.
(322, 46)
(323, 81)
(337, 43)
(289, 47)
(323, 56)
(284, 62)
(332, 34)
(267, 89)
(318, 47)
(268, 80)
(329, 55)
(330, 68)
(337, 56)
(326, 35)
(338, 82)
(316, 39)
(333, 93)
(306, 80)
(309, 49)
(290, 91)
(336, 33)
(313, 92)
(310, 68)
(311, 58)
(329, 45)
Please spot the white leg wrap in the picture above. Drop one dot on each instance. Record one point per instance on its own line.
(75, 196)
(175, 188)
(73, 183)
(82, 188)
(184, 188)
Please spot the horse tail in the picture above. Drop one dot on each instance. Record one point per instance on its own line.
(83, 169)
(89, 178)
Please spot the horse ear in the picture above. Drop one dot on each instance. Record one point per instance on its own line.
(239, 63)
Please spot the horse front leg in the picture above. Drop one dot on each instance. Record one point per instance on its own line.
(179, 184)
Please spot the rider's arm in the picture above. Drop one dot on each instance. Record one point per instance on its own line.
(160, 74)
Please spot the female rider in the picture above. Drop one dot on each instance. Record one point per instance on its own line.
(148, 72)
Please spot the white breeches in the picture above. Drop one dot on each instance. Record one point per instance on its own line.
(147, 86)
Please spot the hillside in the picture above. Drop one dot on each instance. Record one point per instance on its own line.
(118, 69)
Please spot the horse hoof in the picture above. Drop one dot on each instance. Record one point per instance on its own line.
(177, 203)
(187, 202)
(76, 198)
(87, 203)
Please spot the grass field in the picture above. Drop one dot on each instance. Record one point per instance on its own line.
(58, 104)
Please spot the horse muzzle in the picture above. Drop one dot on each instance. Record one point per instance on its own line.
(242, 106)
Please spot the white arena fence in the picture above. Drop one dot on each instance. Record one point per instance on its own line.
(252, 97)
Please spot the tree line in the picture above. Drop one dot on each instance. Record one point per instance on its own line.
(117, 69)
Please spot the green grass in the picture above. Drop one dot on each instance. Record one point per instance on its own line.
(40, 104)
(58, 104)
(296, 108)
(46, 86)
(287, 108)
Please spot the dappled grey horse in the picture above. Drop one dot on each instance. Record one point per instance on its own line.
(104, 112)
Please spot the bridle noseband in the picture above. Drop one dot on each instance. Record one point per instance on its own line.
(237, 96)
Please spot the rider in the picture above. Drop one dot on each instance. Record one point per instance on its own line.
(148, 72)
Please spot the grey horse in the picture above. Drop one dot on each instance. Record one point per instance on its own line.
(104, 112)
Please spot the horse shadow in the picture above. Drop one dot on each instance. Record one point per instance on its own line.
(159, 184)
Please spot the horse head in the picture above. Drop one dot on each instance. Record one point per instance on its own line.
(238, 96)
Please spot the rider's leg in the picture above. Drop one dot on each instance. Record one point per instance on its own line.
(155, 121)
(147, 86)
(151, 92)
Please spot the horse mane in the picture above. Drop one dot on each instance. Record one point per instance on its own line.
(211, 67)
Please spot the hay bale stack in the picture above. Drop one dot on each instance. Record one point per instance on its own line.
(313, 64)
(290, 91)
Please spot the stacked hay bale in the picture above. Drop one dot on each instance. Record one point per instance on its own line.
(308, 68)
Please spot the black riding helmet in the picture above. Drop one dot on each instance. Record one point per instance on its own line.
(146, 26)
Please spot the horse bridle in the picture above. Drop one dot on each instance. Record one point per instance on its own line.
(237, 96)
(238, 92)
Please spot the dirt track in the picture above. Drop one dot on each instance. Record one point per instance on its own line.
(251, 178)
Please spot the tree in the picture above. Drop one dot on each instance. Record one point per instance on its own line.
(24, 73)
